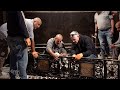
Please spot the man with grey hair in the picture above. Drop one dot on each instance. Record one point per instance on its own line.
(82, 46)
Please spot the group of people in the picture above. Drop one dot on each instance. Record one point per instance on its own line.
(19, 34)
(82, 46)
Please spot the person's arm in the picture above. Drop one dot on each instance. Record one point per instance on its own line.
(63, 50)
(117, 45)
(112, 25)
(73, 52)
(34, 53)
(111, 17)
(74, 55)
(89, 47)
(49, 47)
(32, 45)
(96, 27)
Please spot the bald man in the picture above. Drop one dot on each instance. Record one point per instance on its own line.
(55, 47)
(116, 46)
(32, 24)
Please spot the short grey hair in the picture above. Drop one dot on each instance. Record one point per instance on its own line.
(74, 33)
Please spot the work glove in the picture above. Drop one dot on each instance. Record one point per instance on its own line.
(78, 56)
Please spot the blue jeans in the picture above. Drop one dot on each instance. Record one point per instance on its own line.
(18, 57)
(92, 56)
(105, 40)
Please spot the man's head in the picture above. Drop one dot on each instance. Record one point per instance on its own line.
(37, 22)
(75, 36)
(58, 39)
(117, 25)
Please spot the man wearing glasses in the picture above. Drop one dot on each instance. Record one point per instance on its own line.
(82, 46)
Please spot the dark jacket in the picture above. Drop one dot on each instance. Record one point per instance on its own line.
(15, 24)
(85, 46)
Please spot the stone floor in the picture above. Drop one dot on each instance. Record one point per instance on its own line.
(5, 73)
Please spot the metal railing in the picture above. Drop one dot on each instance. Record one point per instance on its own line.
(69, 68)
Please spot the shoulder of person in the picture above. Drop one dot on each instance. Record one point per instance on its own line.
(86, 37)
(4, 24)
(51, 40)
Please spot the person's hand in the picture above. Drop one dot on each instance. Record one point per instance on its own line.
(112, 46)
(112, 30)
(63, 55)
(28, 41)
(56, 56)
(78, 56)
(35, 54)
(95, 35)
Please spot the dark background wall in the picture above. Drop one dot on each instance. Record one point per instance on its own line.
(62, 22)
(1, 17)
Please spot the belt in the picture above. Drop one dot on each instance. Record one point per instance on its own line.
(105, 29)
